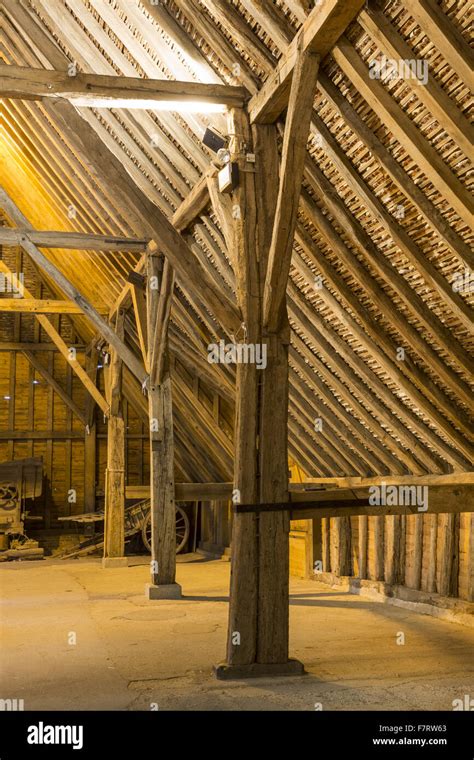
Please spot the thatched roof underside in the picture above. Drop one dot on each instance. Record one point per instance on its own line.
(383, 217)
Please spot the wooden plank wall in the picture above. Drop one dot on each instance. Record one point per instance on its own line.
(435, 553)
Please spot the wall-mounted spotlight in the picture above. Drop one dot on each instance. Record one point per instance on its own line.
(213, 140)
(228, 177)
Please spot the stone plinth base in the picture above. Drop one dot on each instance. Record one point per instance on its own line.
(111, 562)
(224, 672)
(163, 591)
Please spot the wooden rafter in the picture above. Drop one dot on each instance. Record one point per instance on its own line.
(391, 313)
(444, 36)
(396, 171)
(459, 443)
(404, 130)
(403, 240)
(431, 93)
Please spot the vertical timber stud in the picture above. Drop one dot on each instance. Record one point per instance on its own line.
(114, 541)
(163, 518)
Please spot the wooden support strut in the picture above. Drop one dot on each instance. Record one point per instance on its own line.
(163, 532)
(114, 523)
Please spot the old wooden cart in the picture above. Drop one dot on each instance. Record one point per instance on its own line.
(137, 523)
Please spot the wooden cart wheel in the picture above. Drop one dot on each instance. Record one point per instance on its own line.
(182, 530)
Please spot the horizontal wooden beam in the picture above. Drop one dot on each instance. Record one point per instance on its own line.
(351, 503)
(187, 491)
(301, 492)
(13, 346)
(72, 240)
(26, 83)
(319, 33)
(447, 480)
(42, 306)
(40, 435)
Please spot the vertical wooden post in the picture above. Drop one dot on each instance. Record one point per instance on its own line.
(342, 538)
(379, 569)
(432, 521)
(326, 544)
(242, 633)
(259, 595)
(363, 522)
(274, 528)
(447, 553)
(114, 542)
(163, 513)
(392, 549)
(90, 439)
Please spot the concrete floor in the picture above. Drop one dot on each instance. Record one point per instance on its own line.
(132, 654)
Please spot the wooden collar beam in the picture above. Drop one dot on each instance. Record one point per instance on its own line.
(20, 82)
(42, 306)
(72, 240)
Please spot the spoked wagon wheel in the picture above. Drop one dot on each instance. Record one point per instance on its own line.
(182, 530)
